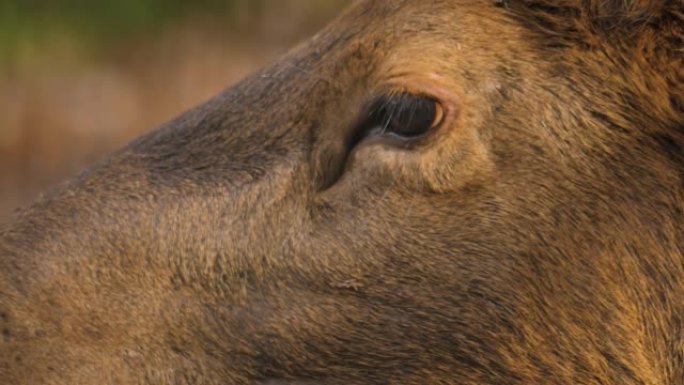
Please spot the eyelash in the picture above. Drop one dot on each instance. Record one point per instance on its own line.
(380, 121)
(399, 115)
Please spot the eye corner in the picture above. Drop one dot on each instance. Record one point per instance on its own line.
(501, 4)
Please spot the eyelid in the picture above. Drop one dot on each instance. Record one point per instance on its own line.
(440, 89)
(432, 85)
(388, 118)
(440, 114)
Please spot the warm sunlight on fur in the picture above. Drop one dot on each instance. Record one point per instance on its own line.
(286, 233)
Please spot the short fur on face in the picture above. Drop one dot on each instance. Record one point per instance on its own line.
(268, 237)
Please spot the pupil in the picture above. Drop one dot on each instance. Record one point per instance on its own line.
(403, 115)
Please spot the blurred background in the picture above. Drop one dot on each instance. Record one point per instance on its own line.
(80, 78)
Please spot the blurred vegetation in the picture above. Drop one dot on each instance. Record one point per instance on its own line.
(100, 23)
(103, 19)
(79, 78)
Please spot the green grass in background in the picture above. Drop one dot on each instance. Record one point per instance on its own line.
(107, 17)
(100, 22)
(29, 27)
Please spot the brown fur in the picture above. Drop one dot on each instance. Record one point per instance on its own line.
(536, 239)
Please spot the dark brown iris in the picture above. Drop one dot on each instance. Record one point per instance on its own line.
(404, 115)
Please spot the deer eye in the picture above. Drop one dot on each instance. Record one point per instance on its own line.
(403, 116)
